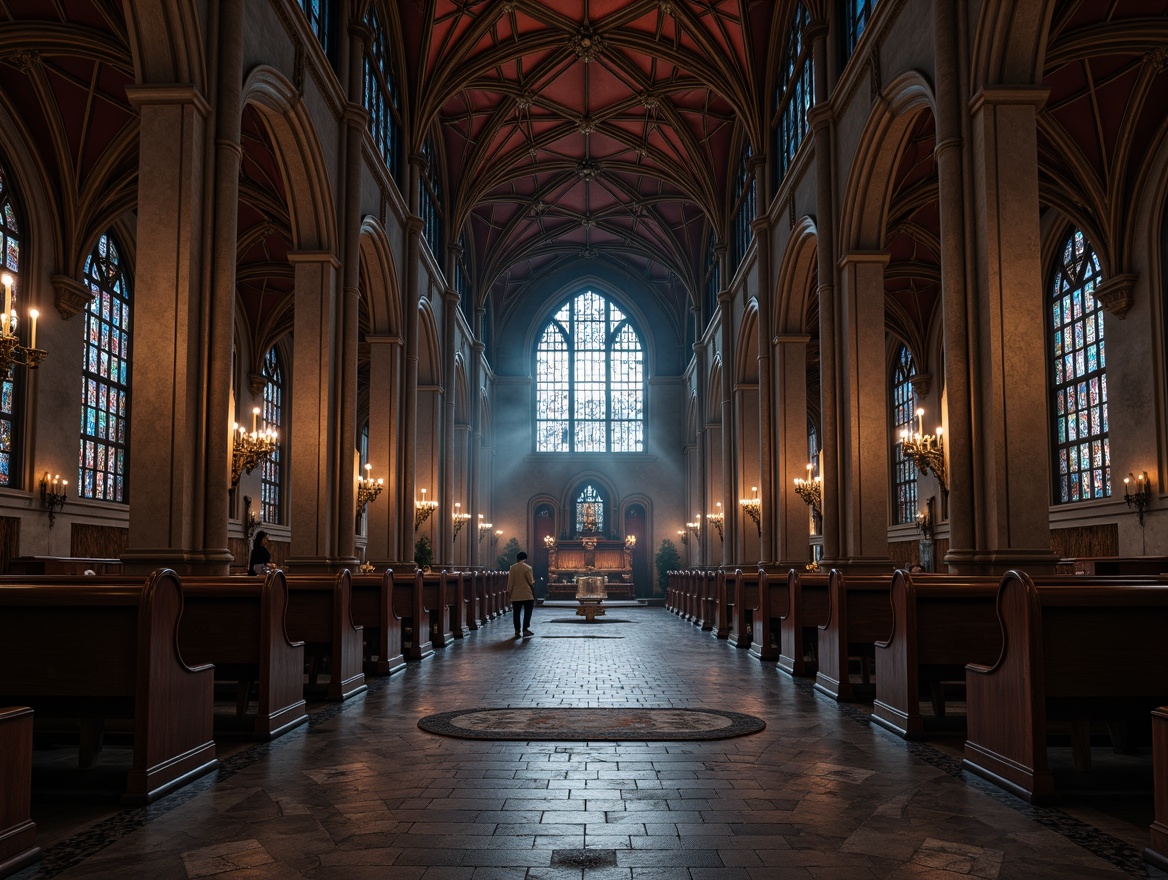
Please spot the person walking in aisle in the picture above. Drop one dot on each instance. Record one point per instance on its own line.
(520, 580)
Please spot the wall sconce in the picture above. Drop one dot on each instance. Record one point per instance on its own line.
(716, 518)
(53, 495)
(484, 528)
(695, 527)
(495, 538)
(753, 508)
(683, 536)
(925, 520)
(549, 541)
(367, 490)
(811, 490)
(11, 351)
(422, 510)
(249, 451)
(459, 518)
(1137, 492)
(630, 542)
(926, 451)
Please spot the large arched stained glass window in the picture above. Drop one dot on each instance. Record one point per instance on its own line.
(589, 380)
(794, 94)
(105, 377)
(381, 96)
(1078, 376)
(904, 472)
(273, 415)
(589, 511)
(10, 245)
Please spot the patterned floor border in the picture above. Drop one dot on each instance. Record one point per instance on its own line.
(559, 724)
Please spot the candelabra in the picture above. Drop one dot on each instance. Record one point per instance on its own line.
(422, 510)
(495, 538)
(630, 541)
(683, 537)
(367, 490)
(716, 518)
(549, 541)
(589, 542)
(249, 451)
(1137, 492)
(753, 508)
(53, 495)
(926, 451)
(458, 518)
(695, 527)
(11, 351)
(925, 520)
(484, 528)
(811, 490)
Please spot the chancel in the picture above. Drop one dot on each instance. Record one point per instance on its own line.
(800, 346)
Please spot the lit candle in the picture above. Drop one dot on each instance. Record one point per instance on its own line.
(33, 314)
(255, 414)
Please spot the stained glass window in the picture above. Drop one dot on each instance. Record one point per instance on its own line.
(318, 13)
(10, 243)
(430, 203)
(273, 411)
(794, 93)
(856, 15)
(589, 380)
(745, 202)
(381, 96)
(904, 472)
(1078, 376)
(590, 511)
(105, 377)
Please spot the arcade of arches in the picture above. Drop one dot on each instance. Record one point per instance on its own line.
(575, 266)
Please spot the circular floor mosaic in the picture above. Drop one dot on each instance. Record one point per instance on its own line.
(617, 725)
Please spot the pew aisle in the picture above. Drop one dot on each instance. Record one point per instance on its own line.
(361, 792)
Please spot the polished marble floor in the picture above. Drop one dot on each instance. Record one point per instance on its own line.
(361, 792)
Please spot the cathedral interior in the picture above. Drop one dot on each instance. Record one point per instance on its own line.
(684, 293)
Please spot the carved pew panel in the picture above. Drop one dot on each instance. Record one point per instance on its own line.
(766, 642)
(434, 593)
(799, 623)
(239, 624)
(320, 614)
(409, 604)
(745, 604)
(114, 654)
(18, 847)
(1157, 851)
(858, 615)
(456, 601)
(373, 611)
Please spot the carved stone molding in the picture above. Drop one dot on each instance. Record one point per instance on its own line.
(256, 383)
(70, 296)
(1115, 294)
(921, 383)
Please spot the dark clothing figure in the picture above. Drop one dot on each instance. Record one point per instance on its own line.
(526, 606)
(520, 580)
(261, 556)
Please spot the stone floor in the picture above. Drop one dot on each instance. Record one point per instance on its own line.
(361, 792)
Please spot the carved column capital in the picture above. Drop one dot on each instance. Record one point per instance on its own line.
(70, 296)
(1115, 294)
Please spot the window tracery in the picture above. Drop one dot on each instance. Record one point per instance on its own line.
(272, 470)
(11, 241)
(904, 472)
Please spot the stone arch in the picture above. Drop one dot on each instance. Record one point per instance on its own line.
(746, 348)
(379, 280)
(797, 271)
(461, 392)
(1009, 43)
(714, 392)
(873, 172)
(166, 42)
(311, 210)
(429, 349)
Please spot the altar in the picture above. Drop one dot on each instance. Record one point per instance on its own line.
(590, 557)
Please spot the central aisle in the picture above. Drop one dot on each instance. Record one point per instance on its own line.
(361, 792)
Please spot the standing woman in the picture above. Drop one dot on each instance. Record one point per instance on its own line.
(261, 556)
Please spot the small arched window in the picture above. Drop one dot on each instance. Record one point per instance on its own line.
(745, 206)
(11, 242)
(1078, 375)
(904, 472)
(589, 379)
(272, 470)
(105, 377)
(590, 511)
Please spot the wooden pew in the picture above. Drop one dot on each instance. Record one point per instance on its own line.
(1157, 850)
(688, 601)
(239, 624)
(381, 627)
(723, 604)
(938, 626)
(18, 847)
(93, 651)
(1070, 654)
(456, 601)
(434, 593)
(705, 599)
(320, 614)
(741, 615)
(766, 639)
(409, 604)
(858, 615)
(799, 623)
(474, 598)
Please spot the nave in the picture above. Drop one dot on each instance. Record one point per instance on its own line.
(361, 792)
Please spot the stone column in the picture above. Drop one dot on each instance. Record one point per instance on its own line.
(312, 490)
(951, 201)
(1012, 393)
(791, 452)
(165, 467)
(385, 356)
(822, 126)
(768, 491)
(865, 442)
(446, 469)
(729, 466)
(479, 498)
(701, 374)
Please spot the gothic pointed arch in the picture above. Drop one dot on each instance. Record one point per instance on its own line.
(797, 278)
(1009, 43)
(380, 286)
(167, 42)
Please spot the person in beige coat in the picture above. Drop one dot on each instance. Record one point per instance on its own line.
(520, 580)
